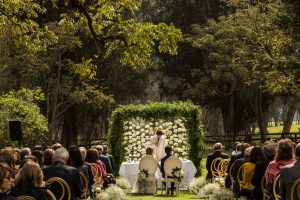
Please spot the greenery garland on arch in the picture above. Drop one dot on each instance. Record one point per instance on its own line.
(157, 111)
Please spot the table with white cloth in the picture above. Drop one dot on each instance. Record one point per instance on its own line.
(130, 171)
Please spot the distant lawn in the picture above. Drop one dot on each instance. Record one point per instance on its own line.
(278, 129)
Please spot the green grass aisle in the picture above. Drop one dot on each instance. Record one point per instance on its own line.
(182, 195)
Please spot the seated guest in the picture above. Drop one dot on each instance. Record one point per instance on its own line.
(168, 151)
(111, 158)
(284, 156)
(77, 162)
(235, 168)
(104, 159)
(28, 159)
(38, 147)
(237, 146)
(256, 155)
(67, 173)
(56, 146)
(289, 174)
(6, 181)
(9, 156)
(29, 182)
(39, 156)
(92, 157)
(24, 152)
(243, 146)
(268, 149)
(48, 153)
(217, 154)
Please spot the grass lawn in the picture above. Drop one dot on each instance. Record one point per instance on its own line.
(182, 195)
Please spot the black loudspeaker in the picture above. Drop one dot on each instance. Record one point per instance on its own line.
(15, 130)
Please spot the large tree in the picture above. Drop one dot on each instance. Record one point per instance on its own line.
(66, 49)
(246, 62)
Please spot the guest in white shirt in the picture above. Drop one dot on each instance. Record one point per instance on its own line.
(237, 150)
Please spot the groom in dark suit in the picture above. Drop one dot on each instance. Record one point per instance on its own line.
(217, 154)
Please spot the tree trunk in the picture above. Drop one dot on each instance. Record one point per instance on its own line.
(69, 133)
(261, 119)
(290, 115)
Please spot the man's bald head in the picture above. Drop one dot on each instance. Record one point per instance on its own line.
(218, 146)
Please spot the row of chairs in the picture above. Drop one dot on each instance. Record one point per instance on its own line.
(65, 191)
(219, 173)
(295, 190)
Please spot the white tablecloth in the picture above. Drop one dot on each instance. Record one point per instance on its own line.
(130, 172)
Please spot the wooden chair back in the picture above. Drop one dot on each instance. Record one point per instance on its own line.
(276, 187)
(85, 183)
(65, 191)
(264, 189)
(25, 197)
(148, 163)
(295, 190)
(171, 163)
(96, 170)
(240, 176)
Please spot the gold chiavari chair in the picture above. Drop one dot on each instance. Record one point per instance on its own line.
(64, 186)
(295, 190)
(25, 197)
(219, 170)
(85, 183)
(276, 187)
(264, 189)
(97, 175)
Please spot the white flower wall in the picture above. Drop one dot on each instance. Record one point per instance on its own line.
(137, 134)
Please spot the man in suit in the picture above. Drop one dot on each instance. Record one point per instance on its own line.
(104, 159)
(217, 154)
(289, 174)
(168, 151)
(111, 158)
(67, 173)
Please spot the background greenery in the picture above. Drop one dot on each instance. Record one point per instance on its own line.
(158, 111)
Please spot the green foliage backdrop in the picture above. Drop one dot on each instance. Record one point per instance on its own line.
(22, 105)
(157, 111)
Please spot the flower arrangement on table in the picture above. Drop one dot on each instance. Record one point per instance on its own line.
(138, 131)
(177, 173)
(143, 175)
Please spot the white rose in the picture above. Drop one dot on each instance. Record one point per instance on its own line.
(170, 142)
(125, 127)
(130, 127)
(175, 144)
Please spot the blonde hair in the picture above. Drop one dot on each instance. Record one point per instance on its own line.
(30, 175)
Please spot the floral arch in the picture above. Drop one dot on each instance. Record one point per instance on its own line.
(131, 127)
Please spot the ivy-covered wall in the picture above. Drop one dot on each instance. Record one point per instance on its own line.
(155, 112)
